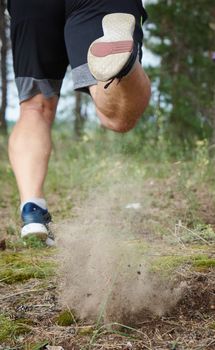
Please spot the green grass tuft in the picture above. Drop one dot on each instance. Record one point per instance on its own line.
(19, 267)
(204, 262)
(11, 329)
(66, 318)
(37, 346)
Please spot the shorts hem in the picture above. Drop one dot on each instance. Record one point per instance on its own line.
(85, 84)
(29, 87)
(82, 78)
(37, 92)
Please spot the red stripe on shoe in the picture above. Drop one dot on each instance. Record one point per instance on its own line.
(103, 49)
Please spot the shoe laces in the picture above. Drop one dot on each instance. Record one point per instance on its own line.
(125, 70)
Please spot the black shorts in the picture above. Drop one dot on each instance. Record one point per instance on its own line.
(47, 35)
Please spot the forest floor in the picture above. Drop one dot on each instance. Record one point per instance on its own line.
(168, 207)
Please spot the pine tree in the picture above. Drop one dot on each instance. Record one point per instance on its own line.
(180, 32)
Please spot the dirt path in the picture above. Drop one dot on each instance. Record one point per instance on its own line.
(34, 307)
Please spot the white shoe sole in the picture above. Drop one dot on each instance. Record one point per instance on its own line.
(118, 38)
(34, 229)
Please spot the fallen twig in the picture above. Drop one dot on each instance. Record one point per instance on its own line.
(20, 293)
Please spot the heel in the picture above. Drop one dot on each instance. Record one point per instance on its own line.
(34, 229)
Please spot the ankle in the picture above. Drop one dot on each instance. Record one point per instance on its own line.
(41, 202)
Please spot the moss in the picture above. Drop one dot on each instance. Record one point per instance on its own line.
(204, 262)
(87, 330)
(6, 328)
(66, 318)
(166, 264)
(212, 325)
(37, 346)
(10, 328)
(19, 267)
(23, 326)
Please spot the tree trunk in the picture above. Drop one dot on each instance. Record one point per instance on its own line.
(79, 118)
(212, 139)
(3, 60)
(212, 109)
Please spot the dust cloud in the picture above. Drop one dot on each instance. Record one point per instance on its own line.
(105, 268)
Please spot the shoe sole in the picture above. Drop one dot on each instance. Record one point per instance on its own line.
(36, 230)
(108, 55)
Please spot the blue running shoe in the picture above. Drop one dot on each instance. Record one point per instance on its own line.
(35, 221)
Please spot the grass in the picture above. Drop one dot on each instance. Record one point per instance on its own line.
(203, 233)
(10, 329)
(22, 266)
(176, 220)
(37, 346)
(204, 262)
(66, 318)
(168, 264)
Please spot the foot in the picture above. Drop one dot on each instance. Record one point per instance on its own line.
(114, 54)
(35, 221)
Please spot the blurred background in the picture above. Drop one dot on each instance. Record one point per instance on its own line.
(178, 55)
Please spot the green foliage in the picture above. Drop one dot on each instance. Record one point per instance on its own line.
(201, 233)
(180, 33)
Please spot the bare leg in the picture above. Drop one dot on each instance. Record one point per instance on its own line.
(121, 105)
(30, 145)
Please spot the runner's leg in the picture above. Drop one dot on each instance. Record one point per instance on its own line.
(122, 103)
(119, 107)
(40, 62)
(30, 145)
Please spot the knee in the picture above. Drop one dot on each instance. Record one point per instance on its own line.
(42, 107)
